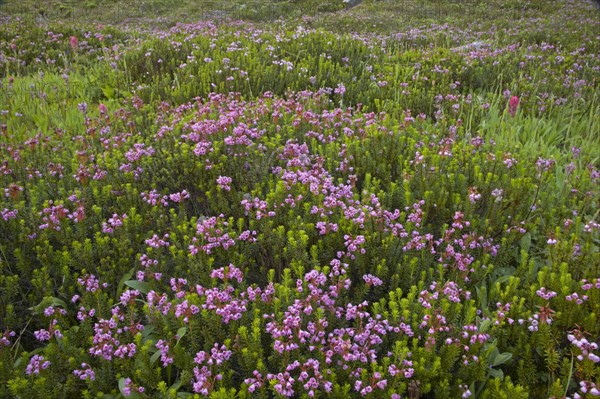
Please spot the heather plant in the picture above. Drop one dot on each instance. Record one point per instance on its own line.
(243, 211)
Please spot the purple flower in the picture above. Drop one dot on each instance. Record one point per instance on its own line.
(5, 338)
(42, 335)
(86, 372)
(372, 280)
(36, 364)
(340, 89)
(224, 183)
(543, 293)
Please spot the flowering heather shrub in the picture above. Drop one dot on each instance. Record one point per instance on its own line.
(234, 212)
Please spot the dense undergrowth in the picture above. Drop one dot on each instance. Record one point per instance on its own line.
(245, 210)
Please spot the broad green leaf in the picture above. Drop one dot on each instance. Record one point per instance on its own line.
(501, 359)
(176, 385)
(148, 329)
(155, 357)
(483, 327)
(44, 304)
(123, 279)
(482, 296)
(141, 286)
(180, 334)
(526, 242)
(503, 279)
(497, 373)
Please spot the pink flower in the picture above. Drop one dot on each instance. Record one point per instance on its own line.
(224, 183)
(73, 42)
(36, 364)
(101, 106)
(340, 89)
(513, 104)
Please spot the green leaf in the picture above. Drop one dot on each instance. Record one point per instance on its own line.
(483, 327)
(502, 279)
(44, 304)
(155, 357)
(526, 242)
(123, 279)
(482, 296)
(141, 286)
(148, 329)
(497, 373)
(501, 359)
(176, 385)
(180, 334)
(184, 395)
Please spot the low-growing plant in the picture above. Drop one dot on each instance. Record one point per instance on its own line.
(246, 212)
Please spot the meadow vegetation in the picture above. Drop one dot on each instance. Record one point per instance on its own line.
(300, 199)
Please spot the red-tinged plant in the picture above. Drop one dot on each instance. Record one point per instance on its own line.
(513, 105)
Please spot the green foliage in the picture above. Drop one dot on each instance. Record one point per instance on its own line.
(463, 232)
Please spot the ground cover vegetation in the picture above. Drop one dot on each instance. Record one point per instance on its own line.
(349, 204)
